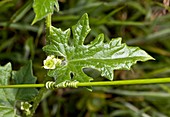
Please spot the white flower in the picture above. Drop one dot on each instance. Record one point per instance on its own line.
(51, 62)
(26, 107)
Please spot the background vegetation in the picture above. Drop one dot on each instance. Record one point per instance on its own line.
(140, 23)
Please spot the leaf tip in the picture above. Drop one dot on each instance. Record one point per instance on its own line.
(85, 17)
(33, 22)
(151, 58)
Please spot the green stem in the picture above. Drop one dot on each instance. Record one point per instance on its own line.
(126, 82)
(37, 101)
(22, 86)
(104, 83)
(48, 24)
(38, 98)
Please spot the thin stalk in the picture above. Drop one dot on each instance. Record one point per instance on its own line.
(104, 83)
(126, 82)
(37, 101)
(48, 24)
(38, 98)
(22, 86)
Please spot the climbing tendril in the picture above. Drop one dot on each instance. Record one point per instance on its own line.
(65, 84)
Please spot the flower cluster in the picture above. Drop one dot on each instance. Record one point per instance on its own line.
(51, 62)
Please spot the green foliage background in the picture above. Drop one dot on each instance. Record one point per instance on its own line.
(139, 23)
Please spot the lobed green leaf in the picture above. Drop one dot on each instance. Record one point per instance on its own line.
(25, 76)
(105, 57)
(44, 7)
(9, 96)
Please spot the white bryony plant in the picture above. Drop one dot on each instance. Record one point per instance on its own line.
(51, 62)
